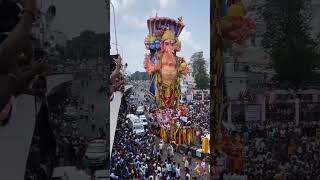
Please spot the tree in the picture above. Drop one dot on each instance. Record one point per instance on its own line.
(87, 45)
(139, 76)
(199, 70)
(288, 41)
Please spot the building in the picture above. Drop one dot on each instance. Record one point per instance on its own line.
(57, 38)
(187, 84)
(235, 80)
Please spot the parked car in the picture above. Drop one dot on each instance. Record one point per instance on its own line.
(140, 110)
(97, 152)
(143, 119)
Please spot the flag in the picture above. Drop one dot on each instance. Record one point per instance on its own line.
(152, 89)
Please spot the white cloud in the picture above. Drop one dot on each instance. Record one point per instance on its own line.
(121, 6)
(164, 3)
(134, 21)
(133, 51)
(186, 38)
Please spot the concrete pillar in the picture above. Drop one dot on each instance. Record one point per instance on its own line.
(297, 110)
(202, 95)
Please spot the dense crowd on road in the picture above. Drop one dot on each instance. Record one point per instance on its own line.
(137, 156)
(276, 150)
(199, 113)
(283, 150)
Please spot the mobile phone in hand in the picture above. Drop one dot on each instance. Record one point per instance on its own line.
(112, 62)
(114, 57)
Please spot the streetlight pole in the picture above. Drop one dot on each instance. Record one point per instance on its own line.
(120, 47)
(115, 26)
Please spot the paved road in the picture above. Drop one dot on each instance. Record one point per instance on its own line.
(178, 158)
(91, 96)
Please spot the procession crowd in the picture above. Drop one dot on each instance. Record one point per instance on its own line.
(275, 150)
(199, 113)
(283, 150)
(137, 156)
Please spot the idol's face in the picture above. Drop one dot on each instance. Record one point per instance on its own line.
(152, 45)
(147, 45)
(158, 44)
(169, 45)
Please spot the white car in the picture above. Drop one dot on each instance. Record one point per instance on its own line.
(143, 119)
(138, 128)
(97, 152)
(140, 110)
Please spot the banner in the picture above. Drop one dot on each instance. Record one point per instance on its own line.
(184, 119)
(205, 145)
(253, 113)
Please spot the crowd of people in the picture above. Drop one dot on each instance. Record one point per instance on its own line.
(280, 112)
(274, 150)
(67, 135)
(199, 114)
(283, 149)
(145, 157)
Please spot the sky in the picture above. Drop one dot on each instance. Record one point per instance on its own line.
(74, 16)
(131, 24)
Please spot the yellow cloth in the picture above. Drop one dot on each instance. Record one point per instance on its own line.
(236, 10)
(205, 145)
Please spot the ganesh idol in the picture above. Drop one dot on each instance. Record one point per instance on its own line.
(165, 67)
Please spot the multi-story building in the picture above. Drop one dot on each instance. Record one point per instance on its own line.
(187, 84)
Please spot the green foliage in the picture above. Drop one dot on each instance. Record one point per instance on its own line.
(87, 45)
(199, 70)
(140, 76)
(288, 42)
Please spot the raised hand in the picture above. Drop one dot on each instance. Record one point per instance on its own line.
(40, 67)
(31, 5)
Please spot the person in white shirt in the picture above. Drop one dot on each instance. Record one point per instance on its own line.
(178, 172)
(161, 146)
(186, 164)
(188, 177)
(112, 175)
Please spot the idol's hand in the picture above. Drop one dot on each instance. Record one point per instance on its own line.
(157, 66)
(184, 71)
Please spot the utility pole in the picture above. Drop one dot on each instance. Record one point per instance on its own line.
(216, 66)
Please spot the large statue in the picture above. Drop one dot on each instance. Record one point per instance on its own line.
(236, 25)
(162, 62)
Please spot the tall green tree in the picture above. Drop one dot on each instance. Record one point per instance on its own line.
(288, 41)
(139, 76)
(87, 45)
(199, 70)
